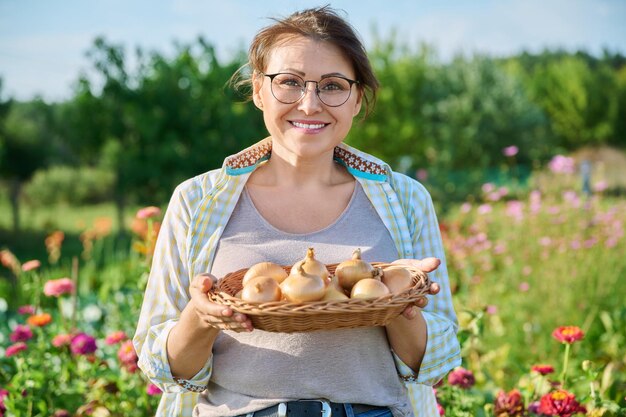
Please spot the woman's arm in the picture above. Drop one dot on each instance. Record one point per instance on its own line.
(190, 341)
(408, 333)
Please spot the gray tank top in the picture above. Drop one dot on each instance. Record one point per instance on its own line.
(255, 370)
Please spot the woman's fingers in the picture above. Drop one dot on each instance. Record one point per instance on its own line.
(213, 314)
(426, 264)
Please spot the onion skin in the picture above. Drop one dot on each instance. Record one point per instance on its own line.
(312, 266)
(369, 288)
(301, 287)
(261, 289)
(352, 271)
(334, 291)
(268, 269)
(397, 279)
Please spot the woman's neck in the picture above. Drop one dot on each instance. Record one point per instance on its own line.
(300, 172)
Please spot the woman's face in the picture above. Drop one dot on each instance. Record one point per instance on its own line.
(307, 128)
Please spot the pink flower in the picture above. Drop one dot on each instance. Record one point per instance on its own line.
(421, 174)
(510, 150)
(148, 212)
(62, 340)
(461, 377)
(568, 334)
(128, 356)
(600, 186)
(524, 286)
(488, 187)
(152, 389)
(542, 369)
(515, 209)
(466, 207)
(83, 344)
(58, 287)
(560, 403)
(440, 410)
(484, 209)
(15, 348)
(491, 309)
(115, 337)
(545, 241)
(27, 310)
(3, 394)
(21, 334)
(562, 165)
(509, 404)
(30, 265)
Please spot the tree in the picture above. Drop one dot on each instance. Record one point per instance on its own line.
(26, 140)
(165, 121)
(578, 93)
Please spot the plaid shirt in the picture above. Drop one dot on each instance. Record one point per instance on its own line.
(194, 221)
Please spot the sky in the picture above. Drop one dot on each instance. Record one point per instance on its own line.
(43, 44)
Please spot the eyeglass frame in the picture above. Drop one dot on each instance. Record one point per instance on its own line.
(304, 88)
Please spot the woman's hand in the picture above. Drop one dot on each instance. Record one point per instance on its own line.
(212, 314)
(427, 265)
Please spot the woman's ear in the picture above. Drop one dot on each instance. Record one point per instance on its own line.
(358, 103)
(257, 83)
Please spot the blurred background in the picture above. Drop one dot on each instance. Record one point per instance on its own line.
(511, 113)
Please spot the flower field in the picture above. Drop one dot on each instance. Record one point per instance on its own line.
(537, 278)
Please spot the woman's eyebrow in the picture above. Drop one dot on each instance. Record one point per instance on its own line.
(302, 73)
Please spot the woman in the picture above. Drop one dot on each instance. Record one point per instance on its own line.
(300, 187)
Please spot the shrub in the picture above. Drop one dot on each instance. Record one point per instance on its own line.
(70, 185)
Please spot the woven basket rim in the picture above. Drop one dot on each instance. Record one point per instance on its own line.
(419, 289)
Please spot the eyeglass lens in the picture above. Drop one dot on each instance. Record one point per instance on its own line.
(332, 91)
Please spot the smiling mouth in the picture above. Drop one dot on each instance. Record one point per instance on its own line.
(309, 125)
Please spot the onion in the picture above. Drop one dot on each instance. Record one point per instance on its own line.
(300, 287)
(351, 271)
(334, 291)
(312, 266)
(267, 269)
(261, 289)
(397, 279)
(369, 288)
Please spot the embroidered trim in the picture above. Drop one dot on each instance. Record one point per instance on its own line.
(408, 378)
(188, 385)
(251, 156)
(360, 164)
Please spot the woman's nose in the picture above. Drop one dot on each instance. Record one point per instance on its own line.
(310, 102)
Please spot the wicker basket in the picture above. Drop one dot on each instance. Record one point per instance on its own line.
(287, 317)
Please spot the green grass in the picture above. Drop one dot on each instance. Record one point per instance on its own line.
(37, 222)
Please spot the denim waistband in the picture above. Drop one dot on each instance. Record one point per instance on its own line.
(318, 408)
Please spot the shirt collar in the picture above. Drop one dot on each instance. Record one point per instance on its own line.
(359, 164)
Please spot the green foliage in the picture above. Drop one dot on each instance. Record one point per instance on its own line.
(169, 120)
(170, 117)
(580, 95)
(27, 138)
(69, 185)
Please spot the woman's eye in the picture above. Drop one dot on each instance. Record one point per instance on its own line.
(333, 85)
(290, 82)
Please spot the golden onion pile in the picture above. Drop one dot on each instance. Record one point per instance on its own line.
(309, 280)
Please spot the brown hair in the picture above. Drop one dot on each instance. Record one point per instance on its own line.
(321, 24)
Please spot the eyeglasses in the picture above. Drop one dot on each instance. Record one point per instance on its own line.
(289, 88)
